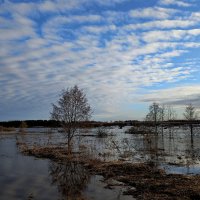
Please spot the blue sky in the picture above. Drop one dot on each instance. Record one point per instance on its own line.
(125, 54)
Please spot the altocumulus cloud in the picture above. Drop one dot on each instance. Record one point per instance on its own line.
(123, 53)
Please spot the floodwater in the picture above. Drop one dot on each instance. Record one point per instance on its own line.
(173, 149)
(22, 177)
(25, 177)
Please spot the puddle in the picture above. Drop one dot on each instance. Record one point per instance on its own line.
(96, 190)
(189, 170)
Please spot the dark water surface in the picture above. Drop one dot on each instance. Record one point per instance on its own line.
(21, 176)
(24, 177)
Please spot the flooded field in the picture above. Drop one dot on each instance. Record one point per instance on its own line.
(27, 177)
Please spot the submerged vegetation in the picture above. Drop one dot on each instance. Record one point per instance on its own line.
(6, 129)
(102, 132)
(139, 130)
(23, 126)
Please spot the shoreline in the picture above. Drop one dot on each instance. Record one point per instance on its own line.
(142, 180)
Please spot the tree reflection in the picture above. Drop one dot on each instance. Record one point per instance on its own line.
(192, 152)
(156, 146)
(70, 177)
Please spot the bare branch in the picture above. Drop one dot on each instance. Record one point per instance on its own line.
(71, 109)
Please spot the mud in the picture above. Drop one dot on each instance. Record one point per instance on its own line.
(147, 182)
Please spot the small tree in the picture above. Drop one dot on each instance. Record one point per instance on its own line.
(22, 127)
(156, 113)
(170, 113)
(71, 109)
(190, 114)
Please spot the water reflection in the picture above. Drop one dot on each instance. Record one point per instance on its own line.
(175, 147)
(71, 178)
(172, 146)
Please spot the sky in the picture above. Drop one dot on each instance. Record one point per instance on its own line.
(125, 54)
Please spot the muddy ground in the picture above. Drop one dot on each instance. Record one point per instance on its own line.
(144, 180)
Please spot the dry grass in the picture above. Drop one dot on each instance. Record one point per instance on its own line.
(152, 183)
(144, 180)
(57, 154)
(7, 129)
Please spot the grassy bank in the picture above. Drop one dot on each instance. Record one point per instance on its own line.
(142, 180)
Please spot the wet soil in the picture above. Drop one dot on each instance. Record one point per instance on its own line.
(148, 182)
(143, 180)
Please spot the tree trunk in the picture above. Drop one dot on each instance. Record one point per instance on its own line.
(191, 130)
(69, 149)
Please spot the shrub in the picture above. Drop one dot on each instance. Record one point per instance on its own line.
(102, 132)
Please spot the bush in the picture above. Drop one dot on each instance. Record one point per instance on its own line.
(22, 127)
(102, 132)
(138, 130)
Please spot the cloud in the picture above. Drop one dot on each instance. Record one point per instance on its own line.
(153, 36)
(153, 12)
(162, 24)
(53, 45)
(61, 5)
(177, 2)
(195, 16)
(16, 28)
(68, 5)
(109, 2)
(179, 95)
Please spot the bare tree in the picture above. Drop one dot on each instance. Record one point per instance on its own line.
(160, 113)
(155, 114)
(71, 109)
(170, 113)
(190, 114)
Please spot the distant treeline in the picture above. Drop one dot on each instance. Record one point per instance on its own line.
(31, 123)
(53, 123)
(168, 123)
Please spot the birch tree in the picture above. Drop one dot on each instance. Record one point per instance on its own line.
(71, 109)
(190, 114)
